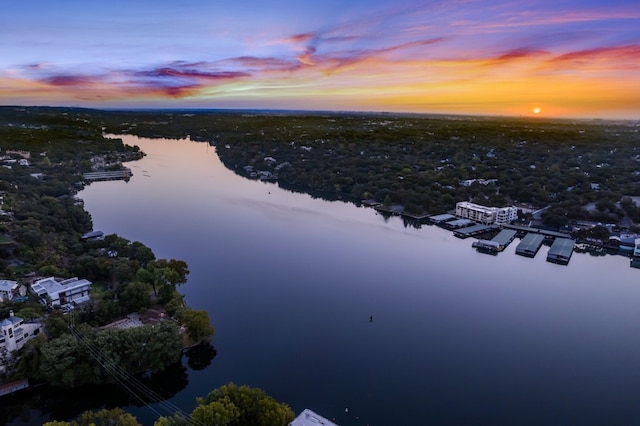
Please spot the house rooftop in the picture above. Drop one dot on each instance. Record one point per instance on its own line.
(8, 285)
(51, 286)
(309, 418)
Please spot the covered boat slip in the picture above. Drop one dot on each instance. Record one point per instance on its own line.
(471, 231)
(561, 251)
(497, 243)
(530, 245)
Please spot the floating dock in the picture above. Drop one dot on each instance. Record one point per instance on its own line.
(458, 223)
(530, 245)
(531, 230)
(471, 231)
(561, 251)
(497, 243)
(10, 388)
(441, 218)
(123, 174)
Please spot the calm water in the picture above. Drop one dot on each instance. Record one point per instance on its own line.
(458, 337)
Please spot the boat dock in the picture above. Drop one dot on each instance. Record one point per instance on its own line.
(497, 243)
(441, 218)
(474, 230)
(530, 245)
(561, 251)
(10, 388)
(123, 174)
(545, 232)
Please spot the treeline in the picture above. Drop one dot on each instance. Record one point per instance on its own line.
(228, 405)
(421, 162)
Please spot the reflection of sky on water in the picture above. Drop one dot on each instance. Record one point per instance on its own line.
(458, 336)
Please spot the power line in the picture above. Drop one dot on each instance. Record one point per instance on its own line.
(130, 383)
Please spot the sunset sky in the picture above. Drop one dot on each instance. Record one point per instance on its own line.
(561, 58)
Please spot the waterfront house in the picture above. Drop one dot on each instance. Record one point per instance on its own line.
(8, 290)
(14, 332)
(71, 290)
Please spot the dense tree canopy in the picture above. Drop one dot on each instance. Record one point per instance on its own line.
(233, 405)
(198, 325)
(423, 163)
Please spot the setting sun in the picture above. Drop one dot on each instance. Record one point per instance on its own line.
(537, 110)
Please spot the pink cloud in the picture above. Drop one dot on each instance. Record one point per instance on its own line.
(631, 52)
(193, 74)
(68, 80)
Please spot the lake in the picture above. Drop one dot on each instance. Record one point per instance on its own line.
(458, 337)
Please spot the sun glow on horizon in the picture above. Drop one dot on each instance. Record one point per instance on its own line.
(389, 59)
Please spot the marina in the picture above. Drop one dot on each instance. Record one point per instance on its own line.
(495, 238)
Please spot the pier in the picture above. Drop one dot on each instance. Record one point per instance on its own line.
(10, 388)
(531, 230)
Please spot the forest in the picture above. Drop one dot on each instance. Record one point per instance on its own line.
(580, 170)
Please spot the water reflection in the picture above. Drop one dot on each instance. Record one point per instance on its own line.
(199, 357)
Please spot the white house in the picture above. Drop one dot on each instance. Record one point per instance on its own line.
(14, 332)
(486, 215)
(8, 290)
(62, 292)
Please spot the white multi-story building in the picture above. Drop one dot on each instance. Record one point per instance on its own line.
(505, 215)
(62, 292)
(486, 215)
(14, 332)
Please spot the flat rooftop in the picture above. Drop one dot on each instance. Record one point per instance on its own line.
(442, 217)
(530, 244)
(460, 223)
(504, 237)
(472, 230)
(562, 248)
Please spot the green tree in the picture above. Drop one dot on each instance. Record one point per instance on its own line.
(113, 417)
(65, 363)
(30, 357)
(256, 408)
(198, 326)
(141, 253)
(56, 324)
(135, 296)
(29, 313)
(222, 412)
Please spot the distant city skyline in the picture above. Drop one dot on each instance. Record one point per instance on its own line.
(543, 58)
